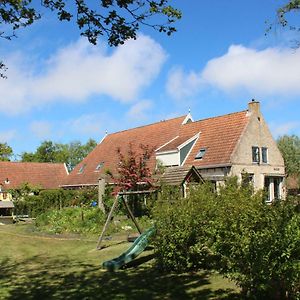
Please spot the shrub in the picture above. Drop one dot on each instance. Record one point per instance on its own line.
(34, 205)
(181, 243)
(237, 233)
(71, 220)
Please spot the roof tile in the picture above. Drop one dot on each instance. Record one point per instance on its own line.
(45, 175)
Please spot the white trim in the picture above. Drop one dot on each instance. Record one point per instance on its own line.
(190, 140)
(167, 152)
(167, 143)
(188, 117)
(67, 171)
(106, 134)
(195, 137)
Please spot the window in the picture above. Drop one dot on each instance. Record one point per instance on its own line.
(264, 154)
(200, 154)
(81, 169)
(100, 165)
(255, 154)
(273, 188)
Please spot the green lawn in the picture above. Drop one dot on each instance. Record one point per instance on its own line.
(36, 266)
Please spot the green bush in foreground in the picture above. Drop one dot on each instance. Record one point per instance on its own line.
(237, 233)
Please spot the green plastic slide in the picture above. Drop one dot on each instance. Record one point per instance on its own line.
(136, 249)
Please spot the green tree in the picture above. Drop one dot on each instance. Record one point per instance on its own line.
(6, 152)
(118, 20)
(289, 7)
(289, 147)
(71, 153)
(77, 152)
(286, 9)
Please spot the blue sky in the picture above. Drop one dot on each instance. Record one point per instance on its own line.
(61, 88)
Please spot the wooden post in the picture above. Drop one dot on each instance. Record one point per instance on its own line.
(101, 192)
(131, 215)
(107, 221)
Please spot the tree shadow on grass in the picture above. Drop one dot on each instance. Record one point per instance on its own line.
(42, 278)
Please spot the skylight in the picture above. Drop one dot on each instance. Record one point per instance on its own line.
(200, 154)
(100, 165)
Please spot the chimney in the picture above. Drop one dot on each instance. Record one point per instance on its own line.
(254, 107)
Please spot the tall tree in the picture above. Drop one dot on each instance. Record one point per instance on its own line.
(118, 20)
(6, 152)
(290, 150)
(71, 153)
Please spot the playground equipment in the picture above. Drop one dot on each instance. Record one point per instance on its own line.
(131, 253)
(140, 243)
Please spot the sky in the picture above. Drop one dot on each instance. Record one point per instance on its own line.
(62, 88)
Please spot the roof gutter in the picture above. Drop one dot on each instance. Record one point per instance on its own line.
(213, 166)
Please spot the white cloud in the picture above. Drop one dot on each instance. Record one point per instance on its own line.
(88, 124)
(272, 71)
(78, 71)
(180, 85)
(139, 111)
(268, 72)
(41, 129)
(7, 136)
(285, 128)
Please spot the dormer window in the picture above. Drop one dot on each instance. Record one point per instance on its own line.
(255, 154)
(81, 169)
(99, 166)
(201, 153)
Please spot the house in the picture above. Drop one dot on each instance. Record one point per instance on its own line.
(42, 175)
(237, 144)
(6, 203)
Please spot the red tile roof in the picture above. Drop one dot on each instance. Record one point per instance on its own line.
(218, 135)
(44, 175)
(154, 135)
(173, 144)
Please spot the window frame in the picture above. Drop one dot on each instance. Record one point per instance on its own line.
(99, 166)
(255, 156)
(201, 150)
(264, 150)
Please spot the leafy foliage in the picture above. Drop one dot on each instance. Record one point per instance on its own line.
(286, 9)
(118, 20)
(289, 147)
(71, 220)
(32, 201)
(133, 171)
(71, 153)
(83, 220)
(6, 152)
(237, 233)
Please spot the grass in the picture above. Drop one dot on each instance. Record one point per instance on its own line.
(37, 266)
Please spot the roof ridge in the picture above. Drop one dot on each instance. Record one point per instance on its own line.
(215, 117)
(166, 120)
(33, 162)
